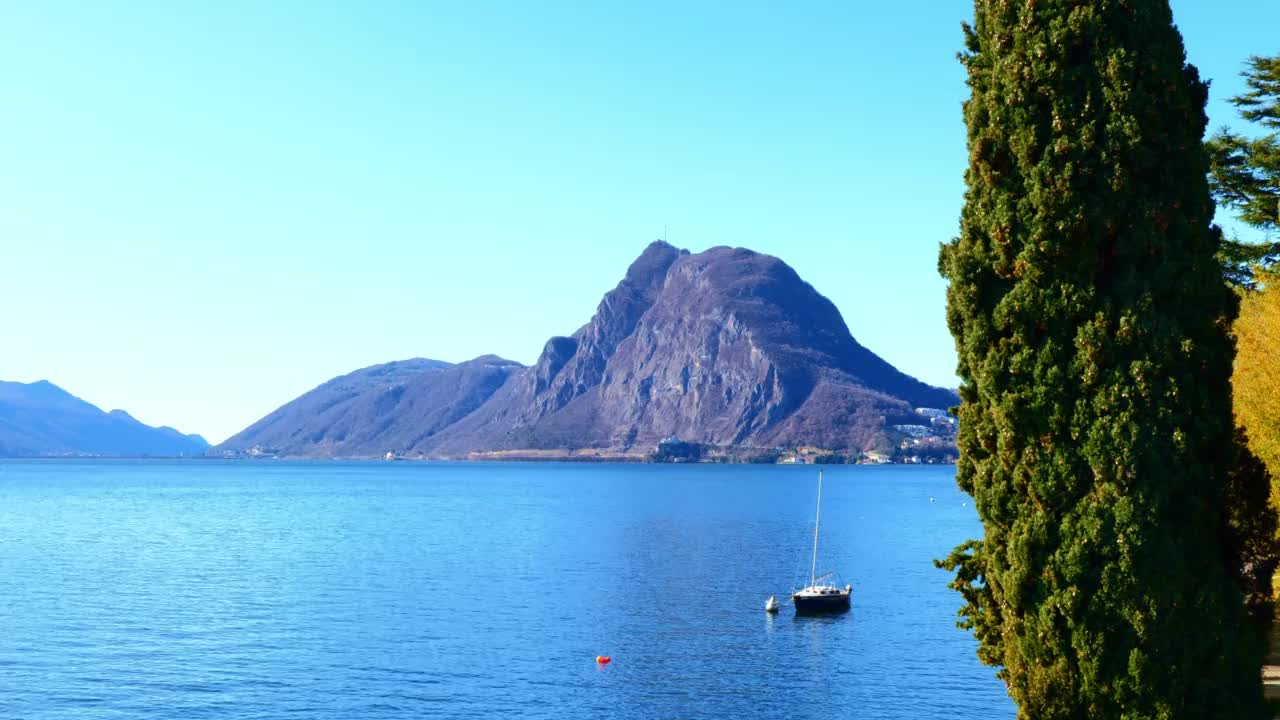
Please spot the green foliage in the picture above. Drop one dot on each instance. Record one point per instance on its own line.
(1242, 261)
(1244, 173)
(1124, 529)
(673, 451)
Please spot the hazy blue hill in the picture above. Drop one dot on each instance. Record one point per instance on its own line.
(42, 419)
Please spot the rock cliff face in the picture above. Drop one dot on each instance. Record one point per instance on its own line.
(726, 347)
(572, 366)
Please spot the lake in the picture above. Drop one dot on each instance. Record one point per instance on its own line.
(264, 589)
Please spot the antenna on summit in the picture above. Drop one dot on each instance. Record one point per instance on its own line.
(664, 232)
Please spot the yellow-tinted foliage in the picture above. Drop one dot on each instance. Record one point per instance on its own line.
(1257, 375)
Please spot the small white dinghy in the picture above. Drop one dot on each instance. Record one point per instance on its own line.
(771, 605)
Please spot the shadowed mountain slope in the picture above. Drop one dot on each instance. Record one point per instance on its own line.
(393, 406)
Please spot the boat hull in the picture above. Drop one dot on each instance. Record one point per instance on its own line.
(821, 604)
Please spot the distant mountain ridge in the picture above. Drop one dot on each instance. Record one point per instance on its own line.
(40, 419)
(726, 347)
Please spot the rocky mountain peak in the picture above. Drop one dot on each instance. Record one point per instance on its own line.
(724, 347)
(571, 366)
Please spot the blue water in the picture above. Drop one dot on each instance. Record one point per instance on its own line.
(407, 590)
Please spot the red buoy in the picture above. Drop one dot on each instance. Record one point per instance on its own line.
(603, 659)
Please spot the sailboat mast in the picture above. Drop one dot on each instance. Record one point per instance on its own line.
(817, 520)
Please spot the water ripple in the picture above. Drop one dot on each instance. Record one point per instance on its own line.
(260, 591)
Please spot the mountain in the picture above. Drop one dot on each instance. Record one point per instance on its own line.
(41, 419)
(395, 405)
(727, 347)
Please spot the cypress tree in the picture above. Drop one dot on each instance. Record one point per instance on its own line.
(1092, 323)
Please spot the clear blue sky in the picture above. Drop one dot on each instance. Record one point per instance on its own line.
(207, 210)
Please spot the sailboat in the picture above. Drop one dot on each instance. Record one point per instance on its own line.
(820, 596)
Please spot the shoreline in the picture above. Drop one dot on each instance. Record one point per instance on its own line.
(511, 456)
